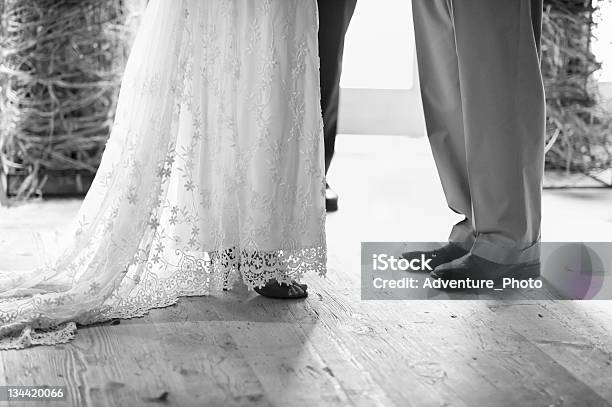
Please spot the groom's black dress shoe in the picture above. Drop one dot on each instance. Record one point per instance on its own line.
(477, 268)
(331, 199)
(444, 254)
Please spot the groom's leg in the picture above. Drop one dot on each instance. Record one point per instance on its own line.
(504, 121)
(440, 91)
(334, 19)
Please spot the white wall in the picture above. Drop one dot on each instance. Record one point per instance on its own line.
(379, 52)
(380, 82)
(602, 46)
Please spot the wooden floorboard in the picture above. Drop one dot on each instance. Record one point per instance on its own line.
(333, 349)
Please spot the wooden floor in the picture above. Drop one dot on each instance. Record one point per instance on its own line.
(333, 348)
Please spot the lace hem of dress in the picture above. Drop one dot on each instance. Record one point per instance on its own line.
(194, 276)
(29, 337)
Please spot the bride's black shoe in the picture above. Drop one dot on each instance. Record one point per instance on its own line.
(274, 289)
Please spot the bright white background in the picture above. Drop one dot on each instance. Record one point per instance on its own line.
(379, 52)
(603, 43)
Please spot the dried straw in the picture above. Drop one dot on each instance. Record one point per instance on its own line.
(60, 67)
(580, 130)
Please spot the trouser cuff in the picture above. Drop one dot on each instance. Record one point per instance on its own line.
(504, 254)
(463, 236)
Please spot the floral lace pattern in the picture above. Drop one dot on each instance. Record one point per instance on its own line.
(213, 172)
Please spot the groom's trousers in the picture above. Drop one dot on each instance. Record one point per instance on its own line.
(483, 97)
(334, 19)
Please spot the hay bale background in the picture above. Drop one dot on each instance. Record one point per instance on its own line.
(60, 68)
(579, 128)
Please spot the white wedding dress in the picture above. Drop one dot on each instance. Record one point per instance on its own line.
(214, 172)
